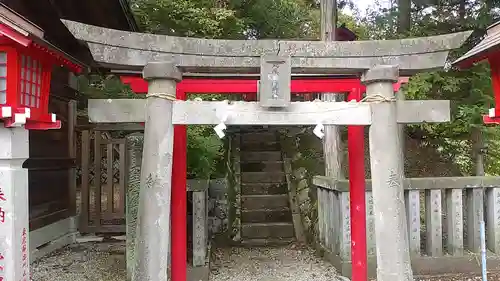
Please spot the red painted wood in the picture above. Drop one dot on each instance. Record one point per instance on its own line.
(38, 51)
(491, 120)
(55, 56)
(43, 126)
(13, 76)
(495, 82)
(179, 201)
(244, 86)
(485, 56)
(14, 35)
(356, 154)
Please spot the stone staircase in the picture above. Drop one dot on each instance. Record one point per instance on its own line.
(266, 218)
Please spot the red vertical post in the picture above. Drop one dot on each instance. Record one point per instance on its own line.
(495, 82)
(356, 151)
(178, 240)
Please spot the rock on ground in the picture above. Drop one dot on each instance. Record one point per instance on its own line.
(83, 262)
(270, 264)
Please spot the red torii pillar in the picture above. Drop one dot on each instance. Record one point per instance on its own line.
(248, 88)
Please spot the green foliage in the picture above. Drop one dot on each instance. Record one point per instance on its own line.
(225, 19)
(205, 155)
(202, 18)
(97, 86)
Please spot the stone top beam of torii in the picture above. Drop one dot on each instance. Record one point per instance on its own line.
(117, 49)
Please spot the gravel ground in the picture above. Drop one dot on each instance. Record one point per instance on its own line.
(105, 261)
(270, 264)
(83, 262)
(493, 276)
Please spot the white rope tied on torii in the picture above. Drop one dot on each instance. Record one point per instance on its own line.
(377, 98)
(161, 96)
(224, 112)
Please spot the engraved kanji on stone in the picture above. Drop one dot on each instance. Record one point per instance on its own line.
(393, 180)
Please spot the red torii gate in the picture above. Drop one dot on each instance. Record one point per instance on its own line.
(249, 88)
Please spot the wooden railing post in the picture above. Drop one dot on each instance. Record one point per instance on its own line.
(97, 180)
(330, 217)
(85, 188)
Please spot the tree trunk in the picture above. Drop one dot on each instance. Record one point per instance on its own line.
(477, 151)
(404, 16)
(462, 11)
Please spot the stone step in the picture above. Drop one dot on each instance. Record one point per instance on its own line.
(260, 146)
(264, 166)
(263, 188)
(267, 230)
(259, 202)
(266, 215)
(259, 136)
(258, 156)
(271, 177)
(269, 242)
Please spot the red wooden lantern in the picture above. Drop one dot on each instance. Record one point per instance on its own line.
(26, 63)
(488, 49)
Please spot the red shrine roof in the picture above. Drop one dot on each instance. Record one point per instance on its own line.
(20, 30)
(488, 47)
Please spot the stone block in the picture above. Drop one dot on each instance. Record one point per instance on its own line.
(267, 230)
(299, 173)
(265, 166)
(302, 184)
(263, 188)
(263, 177)
(258, 156)
(303, 196)
(276, 215)
(256, 202)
